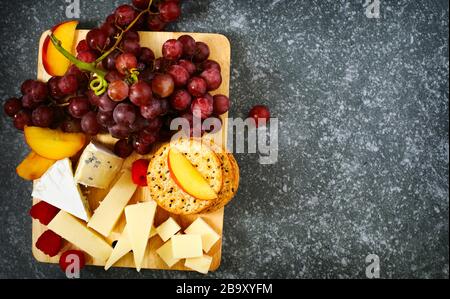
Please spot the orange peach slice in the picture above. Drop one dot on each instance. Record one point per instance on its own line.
(187, 177)
(54, 144)
(55, 63)
(33, 167)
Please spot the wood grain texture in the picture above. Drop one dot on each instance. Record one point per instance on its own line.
(220, 51)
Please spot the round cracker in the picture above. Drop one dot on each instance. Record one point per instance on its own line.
(167, 193)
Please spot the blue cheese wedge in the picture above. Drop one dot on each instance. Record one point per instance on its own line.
(58, 188)
(97, 166)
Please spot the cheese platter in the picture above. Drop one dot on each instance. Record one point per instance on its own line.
(102, 212)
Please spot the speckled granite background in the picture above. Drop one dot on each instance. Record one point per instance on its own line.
(363, 161)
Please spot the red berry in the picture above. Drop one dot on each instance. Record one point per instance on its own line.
(141, 4)
(179, 74)
(68, 84)
(82, 46)
(201, 52)
(197, 86)
(71, 256)
(260, 114)
(169, 11)
(125, 62)
(140, 93)
(43, 212)
(139, 172)
(154, 23)
(97, 39)
(123, 148)
(188, 65)
(212, 77)
(125, 14)
(172, 49)
(22, 119)
(221, 104)
(12, 106)
(189, 45)
(180, 100)
(87, 56)
(49, 243)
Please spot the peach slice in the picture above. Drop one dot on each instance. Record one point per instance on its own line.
(33, 167)
(187, 177)
(54, 144)
(55, 63)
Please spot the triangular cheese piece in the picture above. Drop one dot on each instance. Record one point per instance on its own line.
(139, 219)
(123, 246)
(58, 188)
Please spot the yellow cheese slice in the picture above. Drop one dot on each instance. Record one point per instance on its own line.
(186, 246)
(167, 229)
(123, 246)
(76, 232)
(166, 254)
(139, 219)
(108, 213)
(209, 235)
(199, 264)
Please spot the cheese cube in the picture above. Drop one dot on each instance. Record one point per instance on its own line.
(186, 246)
(199, 264)
(209, 235)
(108, 213)
(76, 232)
(97, 166)
(167, 229)
(166, 254)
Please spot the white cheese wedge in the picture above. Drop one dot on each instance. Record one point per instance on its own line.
(139, 219)
(166, 254)
(58, 188)
(186, 246)
(97, 166)
(199, 264)
(76, 232)
(209, 235)
(167, 229)
(123, 246)
(108, 213)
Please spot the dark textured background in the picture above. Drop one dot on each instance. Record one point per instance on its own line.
(363, 161)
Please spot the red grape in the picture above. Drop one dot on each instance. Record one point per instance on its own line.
(161, 64)
(89, 123)
(111, 19)
(165, 106)
(97, 39)
(131, 35)
(180, 100)
(140, 93)
(212, 77)
(179, 74)
(12, 106)
(221, 104)
(163, 85)
(141, 4)
(189, 45)
(118, 90)
(53, 88)
(22, 119)
(72, 125)
(147, 56)
(197, 86)
(109, 28)
(123, 148)
(26, 86)
(105, 103)
(131, 46)
(42, 116)
(154, 23)
(78, 107)
(146, 75)
(151, 110)
(27, 102)
(209, 64)
(139, 124)
(147, 137)
(202, 107)
(114, 75)
(189, 66)
(109, 63)
(126, 62)
(141, 148)
(82, 46)
(124, 114)
(201, 52)
(68, 84)
(154, 124)
(125, 14)
(169, 11)
(172, 49)
(82, 77)
(119, 131)
(38, 91)
(105, 119)
(87, 56)
(260, 113)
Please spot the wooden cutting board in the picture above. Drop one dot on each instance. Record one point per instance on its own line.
(220, 51)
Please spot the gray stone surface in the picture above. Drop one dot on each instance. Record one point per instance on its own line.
(363, 161)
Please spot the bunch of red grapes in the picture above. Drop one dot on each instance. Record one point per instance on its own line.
(137, 109)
